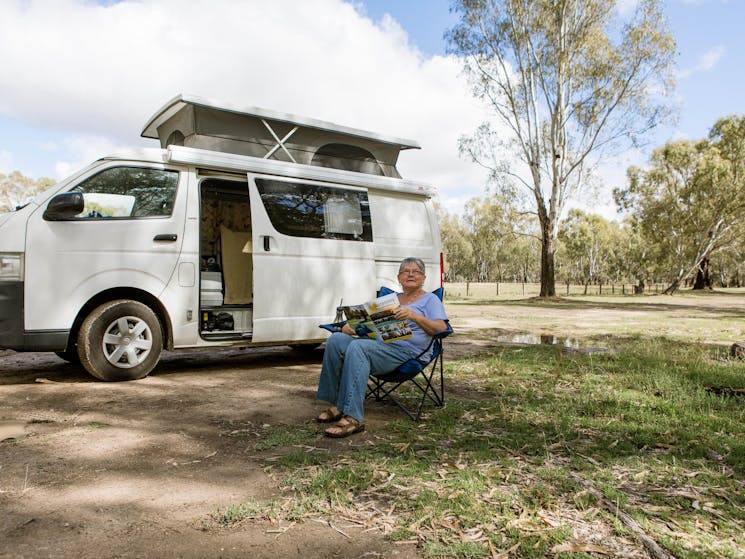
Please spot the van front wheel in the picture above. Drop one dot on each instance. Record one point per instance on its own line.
(120, 340)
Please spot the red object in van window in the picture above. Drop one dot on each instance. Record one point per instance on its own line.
(442, 269)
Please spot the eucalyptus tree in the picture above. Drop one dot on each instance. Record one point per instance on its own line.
(17, 189)
(523, 256)
(490, 222)
(565, 81)
(689, 203)
(457, 248)
(632, 260)
(590, 243)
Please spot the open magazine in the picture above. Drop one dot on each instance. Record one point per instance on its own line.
(377, 317)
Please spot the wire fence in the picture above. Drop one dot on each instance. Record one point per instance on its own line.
(508, 290)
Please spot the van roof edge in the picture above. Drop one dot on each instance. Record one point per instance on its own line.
(246, 163)
(150, 130)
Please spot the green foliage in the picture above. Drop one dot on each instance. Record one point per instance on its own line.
(688, 205)
(457, 247)
(592, 249)
(491, 241)
(17, 189)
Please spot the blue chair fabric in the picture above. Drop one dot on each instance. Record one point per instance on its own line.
(426, 374)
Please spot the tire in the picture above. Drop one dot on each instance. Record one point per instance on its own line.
(109, 355)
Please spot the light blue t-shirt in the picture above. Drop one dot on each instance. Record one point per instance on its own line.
(429, 306)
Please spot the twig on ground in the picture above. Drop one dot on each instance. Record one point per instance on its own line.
(337, 529)
(612, 507)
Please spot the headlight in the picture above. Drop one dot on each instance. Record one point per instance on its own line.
(11, 267)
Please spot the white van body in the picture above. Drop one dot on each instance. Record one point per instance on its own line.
(206, 242)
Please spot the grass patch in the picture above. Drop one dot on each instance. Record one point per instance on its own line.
(280, 436)
(509, 463)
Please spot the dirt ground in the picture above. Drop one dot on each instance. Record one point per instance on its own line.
(94, 469)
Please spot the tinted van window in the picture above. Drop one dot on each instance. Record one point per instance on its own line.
(305, 210)
(128, 192)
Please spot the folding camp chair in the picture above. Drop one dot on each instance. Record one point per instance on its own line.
(421, 371)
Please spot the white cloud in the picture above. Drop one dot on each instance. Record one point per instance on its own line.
(626, 7)
(103, 73)
(705, 63)
(6, 161)
(81, 150)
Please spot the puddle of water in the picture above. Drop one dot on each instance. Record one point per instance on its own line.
(537, 339)
(11, 430)
(570, 344)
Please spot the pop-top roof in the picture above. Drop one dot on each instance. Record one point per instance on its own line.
(206, 124)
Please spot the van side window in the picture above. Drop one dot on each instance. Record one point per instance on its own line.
(305, 210)
(127, 192)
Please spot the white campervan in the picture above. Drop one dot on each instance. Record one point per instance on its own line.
(247, 227)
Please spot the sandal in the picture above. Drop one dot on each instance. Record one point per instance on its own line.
(328, 416)
(346, 426)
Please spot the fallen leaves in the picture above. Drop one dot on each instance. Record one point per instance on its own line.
(579, 547)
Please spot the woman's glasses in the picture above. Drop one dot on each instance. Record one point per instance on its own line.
(411, 273)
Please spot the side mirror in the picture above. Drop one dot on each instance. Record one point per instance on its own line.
(64, 206)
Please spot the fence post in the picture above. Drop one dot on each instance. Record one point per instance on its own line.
(523, 288)
(468, 283)
(497, 289)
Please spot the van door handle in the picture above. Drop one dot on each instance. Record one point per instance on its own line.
(166, 237)
(266, 243)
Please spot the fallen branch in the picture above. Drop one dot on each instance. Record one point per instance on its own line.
(626, 519)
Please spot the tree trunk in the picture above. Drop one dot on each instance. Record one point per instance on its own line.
(673, 287)
(703, 279)
(639, 288)
(548, 251)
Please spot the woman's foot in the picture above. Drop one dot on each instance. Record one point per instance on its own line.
(329, 415)
(346, 426)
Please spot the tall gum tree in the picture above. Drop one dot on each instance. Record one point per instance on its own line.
(566, 80)
(690, 201)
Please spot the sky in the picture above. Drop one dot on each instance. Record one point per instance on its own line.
(79, 78)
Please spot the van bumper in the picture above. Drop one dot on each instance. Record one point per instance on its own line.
(12, 334)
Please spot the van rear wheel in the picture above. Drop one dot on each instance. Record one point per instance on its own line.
(120, 340)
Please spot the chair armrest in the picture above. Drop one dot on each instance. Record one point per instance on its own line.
(443, 333)
(333, 326)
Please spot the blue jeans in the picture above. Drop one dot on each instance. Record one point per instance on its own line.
(347, 364)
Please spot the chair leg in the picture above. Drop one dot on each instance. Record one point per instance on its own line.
(428, 385)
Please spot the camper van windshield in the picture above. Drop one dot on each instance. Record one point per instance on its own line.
(306, 210)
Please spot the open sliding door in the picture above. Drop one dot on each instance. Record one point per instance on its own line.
(312, 247)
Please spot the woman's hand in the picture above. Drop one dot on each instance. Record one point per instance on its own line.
(348, 331)
(431, 327)
(404, 313)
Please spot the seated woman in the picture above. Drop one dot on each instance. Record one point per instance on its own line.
(348, 360)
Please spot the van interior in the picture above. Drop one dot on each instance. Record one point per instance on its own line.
(226, 263)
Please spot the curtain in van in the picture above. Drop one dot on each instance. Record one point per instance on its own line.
(237, 267)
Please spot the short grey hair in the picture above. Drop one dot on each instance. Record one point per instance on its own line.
(418, 262)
